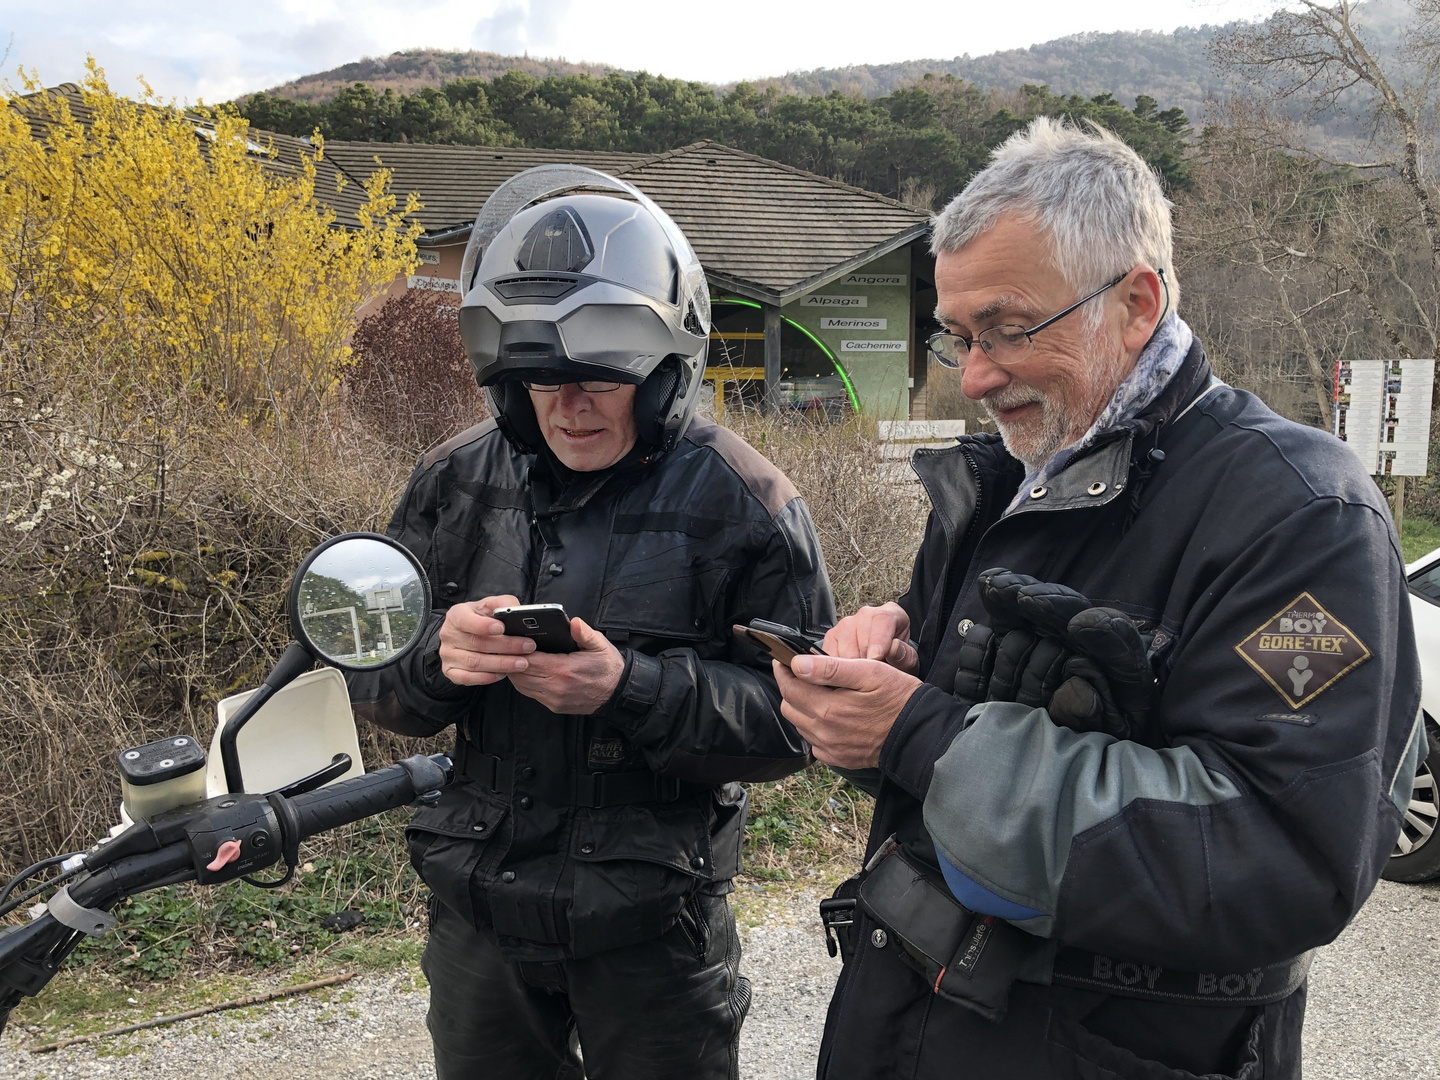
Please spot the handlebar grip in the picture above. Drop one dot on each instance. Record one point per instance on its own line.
(364, 796)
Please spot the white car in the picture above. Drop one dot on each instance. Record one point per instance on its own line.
(1417, 853)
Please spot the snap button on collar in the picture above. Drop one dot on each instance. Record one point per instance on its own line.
(1037, 492)
(1097, 488)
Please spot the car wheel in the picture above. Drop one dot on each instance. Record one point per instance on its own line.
(1417, 851)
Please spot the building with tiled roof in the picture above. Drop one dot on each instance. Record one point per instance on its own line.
(838, 276)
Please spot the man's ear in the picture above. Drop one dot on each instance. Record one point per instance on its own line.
(1144, 297)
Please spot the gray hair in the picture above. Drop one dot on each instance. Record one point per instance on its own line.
(1098, 203)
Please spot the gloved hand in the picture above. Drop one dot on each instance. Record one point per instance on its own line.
(1049, 647)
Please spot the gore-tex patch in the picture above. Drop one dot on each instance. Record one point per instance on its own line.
(1302, 650)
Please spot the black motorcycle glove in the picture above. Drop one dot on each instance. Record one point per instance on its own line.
(1112, 663)
(1028, 668)
(977, 661)
(1049, 647)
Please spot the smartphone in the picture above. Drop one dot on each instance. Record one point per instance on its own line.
(784, 643)
(546, 624)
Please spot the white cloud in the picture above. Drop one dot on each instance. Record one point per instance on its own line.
(216, 51)
(534, 27)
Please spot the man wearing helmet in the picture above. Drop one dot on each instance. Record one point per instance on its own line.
(580, 863)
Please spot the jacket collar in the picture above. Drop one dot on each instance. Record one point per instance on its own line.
(1101, 473)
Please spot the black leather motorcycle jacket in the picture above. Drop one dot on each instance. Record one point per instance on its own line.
(570, 835)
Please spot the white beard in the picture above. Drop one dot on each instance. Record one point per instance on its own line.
(1066, 411)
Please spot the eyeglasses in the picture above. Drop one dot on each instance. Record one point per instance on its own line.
(1004, 344)
(587, 386)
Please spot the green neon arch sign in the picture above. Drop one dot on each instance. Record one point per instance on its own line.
(839, 369)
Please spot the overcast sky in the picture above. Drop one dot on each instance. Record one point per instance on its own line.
(216, 51)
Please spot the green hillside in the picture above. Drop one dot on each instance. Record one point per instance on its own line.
(1172, 67)
(919, 143)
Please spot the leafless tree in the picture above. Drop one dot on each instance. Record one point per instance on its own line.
(1320, 57)
(1321, 252)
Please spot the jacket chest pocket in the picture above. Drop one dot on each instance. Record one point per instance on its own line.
(684, 606)
(670, 584)
(480, 548)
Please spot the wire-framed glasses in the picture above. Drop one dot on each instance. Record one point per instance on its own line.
(587, 386)
(1003, 344)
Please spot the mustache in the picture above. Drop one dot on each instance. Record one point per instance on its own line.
(1010, 397)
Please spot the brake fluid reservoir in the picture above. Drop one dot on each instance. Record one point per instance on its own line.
(161, 775)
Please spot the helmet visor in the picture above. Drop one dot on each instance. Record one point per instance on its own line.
(624, 342)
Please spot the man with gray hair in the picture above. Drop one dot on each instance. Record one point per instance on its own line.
(1143, 727)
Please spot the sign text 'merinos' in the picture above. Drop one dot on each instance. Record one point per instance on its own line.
(836, 322)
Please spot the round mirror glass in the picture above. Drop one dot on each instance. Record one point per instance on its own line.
(359, 601)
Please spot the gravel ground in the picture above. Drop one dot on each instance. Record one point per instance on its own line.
(1374, 1013)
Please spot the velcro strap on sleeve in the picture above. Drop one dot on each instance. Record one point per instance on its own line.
(641, 688)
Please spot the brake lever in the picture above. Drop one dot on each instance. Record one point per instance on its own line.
(338, 767)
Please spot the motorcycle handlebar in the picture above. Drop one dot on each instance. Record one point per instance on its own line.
(365, 796)
(312, 812)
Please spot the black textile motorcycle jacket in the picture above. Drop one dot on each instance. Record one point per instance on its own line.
(570, 835)
(1248, 821)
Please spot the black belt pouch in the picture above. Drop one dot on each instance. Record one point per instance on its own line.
(965, 957)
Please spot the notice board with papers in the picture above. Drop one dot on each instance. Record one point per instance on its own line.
(1382, 412)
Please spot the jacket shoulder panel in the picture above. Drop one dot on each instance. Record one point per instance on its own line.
(771, 487)
(1275, 451)
(456, 442)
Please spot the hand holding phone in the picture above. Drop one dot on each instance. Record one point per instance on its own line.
(783, 643)
(474, 649)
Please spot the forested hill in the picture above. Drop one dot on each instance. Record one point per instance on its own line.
(1172, 67)
(919, 143)
(408, 71)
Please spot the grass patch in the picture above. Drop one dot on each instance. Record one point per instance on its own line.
(1418, 537)
(95, 997)
(78, 1003)
(815, 820)
(375, 953)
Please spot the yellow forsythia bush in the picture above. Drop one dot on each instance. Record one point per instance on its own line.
(176, 302)
(181, 254)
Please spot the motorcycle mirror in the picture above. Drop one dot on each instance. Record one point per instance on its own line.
(359, 602)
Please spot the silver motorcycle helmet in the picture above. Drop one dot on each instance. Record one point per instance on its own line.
(571, 274)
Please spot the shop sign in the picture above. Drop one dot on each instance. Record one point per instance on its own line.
(817, 301)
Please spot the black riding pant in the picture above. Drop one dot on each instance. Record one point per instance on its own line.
(886, 1024)
(663, 1009)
